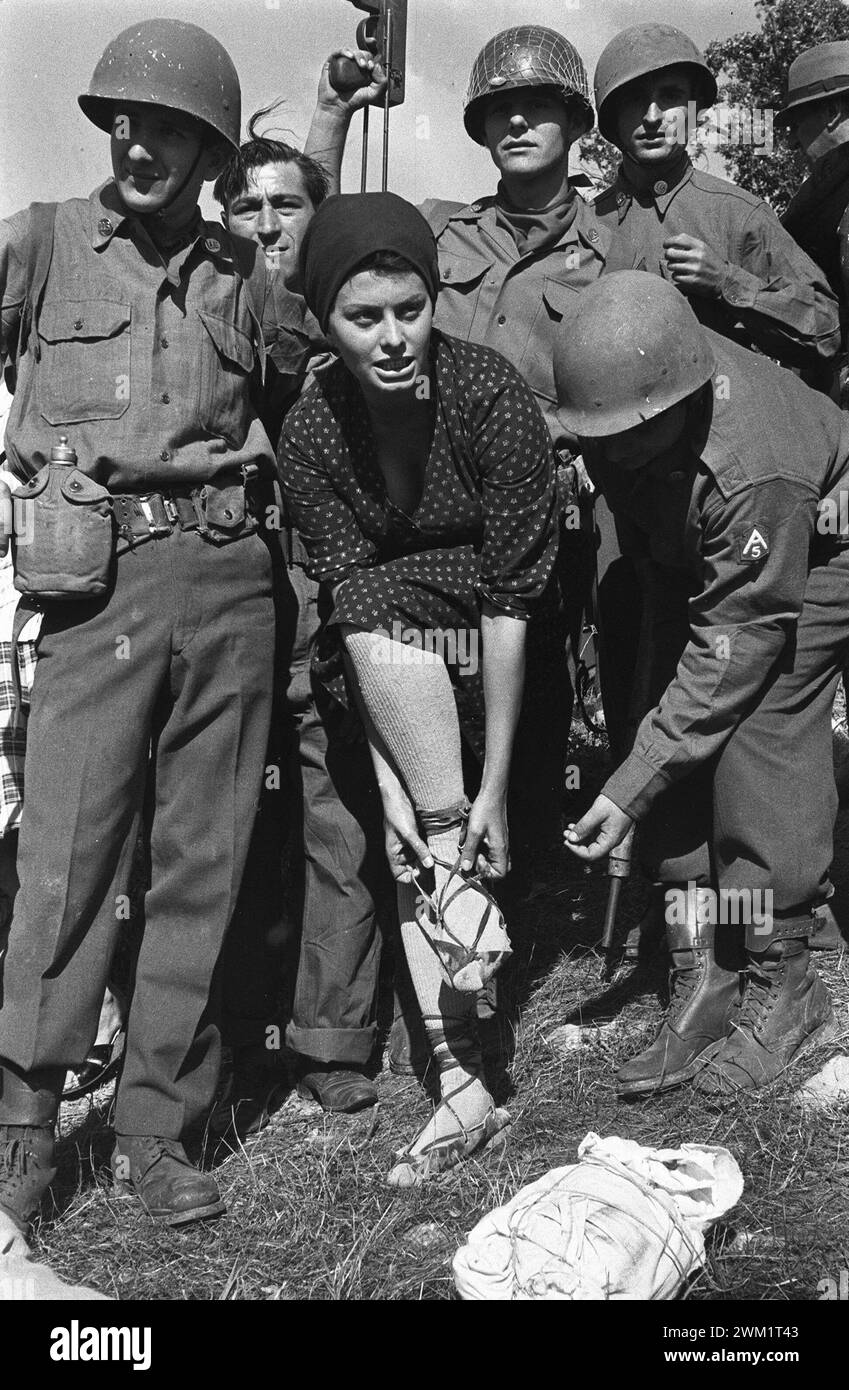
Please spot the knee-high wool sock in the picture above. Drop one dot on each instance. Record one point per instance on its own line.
(407, 694)
(450, 1020)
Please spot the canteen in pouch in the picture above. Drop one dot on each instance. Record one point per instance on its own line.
(64, 535)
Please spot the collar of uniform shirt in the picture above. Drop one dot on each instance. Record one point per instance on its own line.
(109, 218)
(583, 225)
(633, 178)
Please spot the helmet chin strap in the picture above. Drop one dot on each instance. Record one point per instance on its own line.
(159, 218)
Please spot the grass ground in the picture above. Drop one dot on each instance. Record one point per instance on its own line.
(309, 1215)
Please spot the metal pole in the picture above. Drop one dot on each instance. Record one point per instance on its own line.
(364, 170)
(388, 47)
(618, 867)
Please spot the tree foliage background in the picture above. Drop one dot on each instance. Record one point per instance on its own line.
(751, 69)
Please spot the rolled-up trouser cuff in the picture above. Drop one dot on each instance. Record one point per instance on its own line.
(353, 1045)
(32, 1099)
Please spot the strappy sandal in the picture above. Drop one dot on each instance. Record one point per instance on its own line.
(412, 1169)
(471, 953)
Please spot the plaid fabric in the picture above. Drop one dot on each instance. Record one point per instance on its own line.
(13, 736)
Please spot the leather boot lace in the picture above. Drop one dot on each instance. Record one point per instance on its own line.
(761, 992)
(683, 983)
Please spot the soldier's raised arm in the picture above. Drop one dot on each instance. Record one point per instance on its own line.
(336, 105)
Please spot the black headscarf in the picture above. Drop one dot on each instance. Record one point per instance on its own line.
(347, 229)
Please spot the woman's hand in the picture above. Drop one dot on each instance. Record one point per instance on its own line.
(405, 848)
(485, 847)
(599, 831)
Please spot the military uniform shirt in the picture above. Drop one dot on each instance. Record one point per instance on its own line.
(146, 367)
(491, 293)
(773, 295)
(733, 520)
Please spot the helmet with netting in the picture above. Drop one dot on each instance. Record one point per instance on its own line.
(528, 55)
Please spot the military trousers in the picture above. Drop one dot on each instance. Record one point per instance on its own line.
(760, 815)
(334, 1011)
(179, 655)
(333, 874)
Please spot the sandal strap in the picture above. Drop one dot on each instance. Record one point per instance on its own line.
(453, 1040)
(467, 1135)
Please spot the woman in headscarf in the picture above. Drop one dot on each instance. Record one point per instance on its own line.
(419, 473)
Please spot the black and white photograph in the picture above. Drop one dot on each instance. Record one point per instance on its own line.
(424, 645)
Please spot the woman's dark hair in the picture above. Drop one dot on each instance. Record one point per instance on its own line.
(259, 150)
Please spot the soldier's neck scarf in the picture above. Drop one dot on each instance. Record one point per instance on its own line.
(349, 228)
(534, 231)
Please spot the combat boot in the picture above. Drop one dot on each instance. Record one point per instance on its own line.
(26, 1170)
(160, 1174)
(647, 940)
(786, 1008)
(825, 933)
(703, 993)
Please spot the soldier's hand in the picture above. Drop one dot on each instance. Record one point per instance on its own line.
(352, 92)
(693, 266)
(598, 832)
(6, 516)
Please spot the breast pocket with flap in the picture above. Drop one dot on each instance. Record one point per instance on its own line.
(84, 360)
(460, 281)
(536, 365)
(227, 360)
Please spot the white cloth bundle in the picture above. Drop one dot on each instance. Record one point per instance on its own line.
(24, 1281)
(625, 1222)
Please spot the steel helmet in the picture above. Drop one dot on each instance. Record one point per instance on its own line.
(628, 349)
(167, 63)
(819, 73)
(527, 55)
(638, 51)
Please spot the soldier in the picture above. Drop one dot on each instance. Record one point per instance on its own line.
(140, 348)
(725, 475)
(269, 193)
(722, 247)
(816, 114)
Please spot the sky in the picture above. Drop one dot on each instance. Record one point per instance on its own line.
(48, 50)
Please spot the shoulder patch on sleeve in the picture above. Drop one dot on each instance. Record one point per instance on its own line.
(753, 545)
